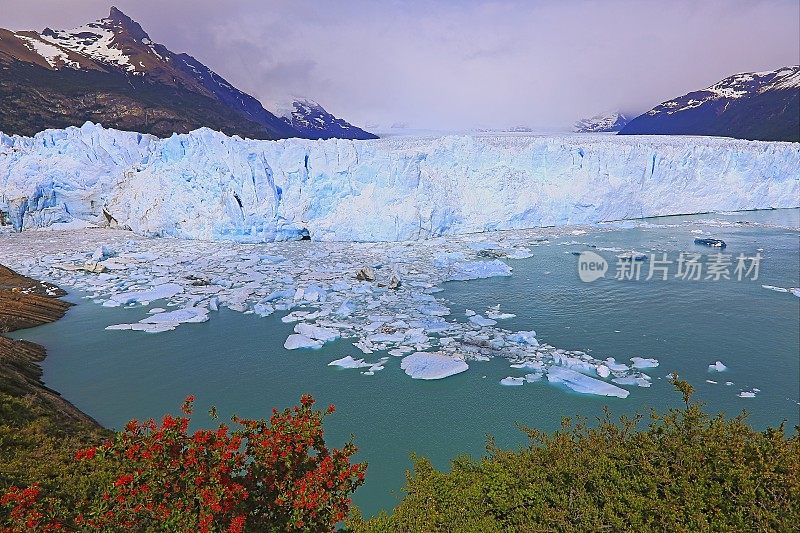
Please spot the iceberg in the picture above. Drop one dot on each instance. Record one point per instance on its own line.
(295, 341)
(160, 292)
(431, 365)
(717, 367)
(208, 186)
(349, 362)
(582, 383)
(512, 381)
(316, 332)
(644, 362)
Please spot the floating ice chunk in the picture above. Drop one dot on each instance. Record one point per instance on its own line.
(711, 381)
(119, 327)
(295, 341)
(582, 383)
(574, 363)
(534, 376)
(432, 365)
(186, 315)
(519, 253)
(434, 309)
(796, 292)
(364, 345)
(603, 371)
(747, 394)
(316, 332)
(512, 381)
(154, 328)
(774, 288)
(612, 364)
(297, 316)
(469, 312)
(478, 270)
(263, 309)
(633, 255)
(280, 295)
(535, 365)
(644, 362)
(349, 362)
(641, 380)
(102, 252)
(155, 310)
(387, 337)
(523, 337)
(167, 290)
(478, 320)
(346, 309)
(717, 367)
(496, 315)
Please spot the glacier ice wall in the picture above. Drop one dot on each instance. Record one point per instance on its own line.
(206, 185)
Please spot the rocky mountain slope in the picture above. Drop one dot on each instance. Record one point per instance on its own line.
(111, 72)
(754, 105)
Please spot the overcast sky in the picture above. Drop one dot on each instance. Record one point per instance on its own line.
(458, 64)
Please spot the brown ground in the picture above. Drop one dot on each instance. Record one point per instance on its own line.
(24, 303)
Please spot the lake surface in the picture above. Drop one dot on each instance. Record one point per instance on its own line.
(237, 361)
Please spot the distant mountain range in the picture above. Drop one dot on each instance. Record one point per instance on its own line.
(312, 121)
(602, 123)
(111, 72)
(754, 105)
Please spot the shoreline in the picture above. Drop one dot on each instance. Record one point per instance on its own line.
(26, 303)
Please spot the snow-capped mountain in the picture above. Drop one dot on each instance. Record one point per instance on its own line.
(314, 122)
(602, 123)
(110, 71)
(752, 105)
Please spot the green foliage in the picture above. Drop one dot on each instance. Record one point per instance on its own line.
(36, 446)
(682, 471)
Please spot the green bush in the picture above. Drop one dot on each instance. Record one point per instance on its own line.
(682, 471)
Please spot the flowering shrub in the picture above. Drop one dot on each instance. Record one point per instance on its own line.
(275, 475)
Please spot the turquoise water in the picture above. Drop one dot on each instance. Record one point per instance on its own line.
(237, 362)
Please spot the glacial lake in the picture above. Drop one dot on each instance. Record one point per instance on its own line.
(237, 361)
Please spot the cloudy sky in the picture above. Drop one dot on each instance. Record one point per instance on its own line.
(460, 63)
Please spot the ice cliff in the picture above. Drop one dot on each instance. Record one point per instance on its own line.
(206, 185)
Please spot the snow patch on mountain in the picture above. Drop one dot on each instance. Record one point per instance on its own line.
(206, 185)
(96, 40)
(602, 123)
(733, 87)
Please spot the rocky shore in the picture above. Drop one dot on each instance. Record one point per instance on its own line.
(25, 303)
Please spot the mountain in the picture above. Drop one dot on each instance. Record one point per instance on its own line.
(110, 71)
(754, 105)
(312, 121)
(602, 123)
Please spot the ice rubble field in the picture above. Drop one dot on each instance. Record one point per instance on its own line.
(315, 286)
(205, 185)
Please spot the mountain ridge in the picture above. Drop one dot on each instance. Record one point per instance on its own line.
(110, 71)
(761, 106)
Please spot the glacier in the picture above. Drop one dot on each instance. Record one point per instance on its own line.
(208, 186)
